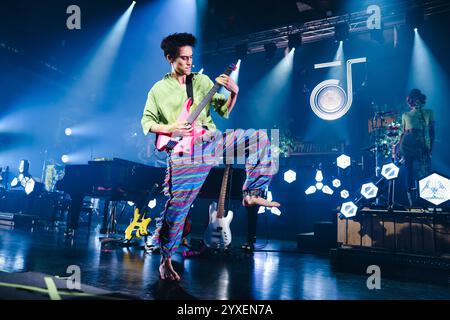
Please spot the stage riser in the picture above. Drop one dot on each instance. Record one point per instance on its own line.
(421, 235)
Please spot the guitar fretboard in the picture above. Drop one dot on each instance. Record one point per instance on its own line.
(206, 100)
(223, 192)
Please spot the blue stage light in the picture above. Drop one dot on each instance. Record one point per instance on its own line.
(68, 131)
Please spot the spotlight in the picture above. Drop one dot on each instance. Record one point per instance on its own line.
(65, 158)
(68, 131)
(349, 209)
(319, 185)
(415, 29)
(241, 51)
(336, 183)
(369, 190)
(294, 41)
(343, 161)
(434, 189)
(270, 50)
(290, 176)
(390, 171)
(341, 31)
(345, 194)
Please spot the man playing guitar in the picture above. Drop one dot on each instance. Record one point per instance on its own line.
(184, 179)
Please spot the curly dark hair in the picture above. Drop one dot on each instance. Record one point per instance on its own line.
(173, 42)
(416, 95)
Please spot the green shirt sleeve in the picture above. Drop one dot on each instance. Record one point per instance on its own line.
(151, 114)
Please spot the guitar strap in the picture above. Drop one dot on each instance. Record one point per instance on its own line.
(189, 87)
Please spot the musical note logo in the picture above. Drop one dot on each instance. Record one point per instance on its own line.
(328, 100)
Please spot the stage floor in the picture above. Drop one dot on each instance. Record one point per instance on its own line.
(279, 272)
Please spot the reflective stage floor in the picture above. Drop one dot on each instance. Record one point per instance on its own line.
(279, 272)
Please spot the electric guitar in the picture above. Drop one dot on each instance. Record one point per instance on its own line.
(185, 144)
(218, 233)
(138, 226)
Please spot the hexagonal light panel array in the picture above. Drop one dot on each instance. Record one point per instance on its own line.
(336, 183)
(434, 189)
(290, 176)
(345, 194)
(369, 190)
(343, 161)
(390, 171)
(349, 209)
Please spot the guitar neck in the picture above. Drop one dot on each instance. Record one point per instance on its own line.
(207, 99)
(191, 118)
(223, 192)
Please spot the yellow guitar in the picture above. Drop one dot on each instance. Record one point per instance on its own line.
(138, 227)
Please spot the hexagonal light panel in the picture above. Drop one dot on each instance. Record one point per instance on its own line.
(369, 190)
(336, 183)
(275, 211)
(434, 189)
(349, 209)
(327, 190)
(290, 176)
(343, 161)
(390, 171)
(310, 190)
(345, 194)
(319, 185)
(319, 176)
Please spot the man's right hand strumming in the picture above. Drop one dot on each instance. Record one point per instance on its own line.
(176, 128)
(180, 128)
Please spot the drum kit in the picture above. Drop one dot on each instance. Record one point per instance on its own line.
(385, 131)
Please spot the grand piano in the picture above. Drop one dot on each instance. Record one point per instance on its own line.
(110, 180)
(123, 180)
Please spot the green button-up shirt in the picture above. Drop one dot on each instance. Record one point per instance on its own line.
(166, 97)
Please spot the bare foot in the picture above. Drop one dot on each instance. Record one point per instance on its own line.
(258, 201)
(166, 270)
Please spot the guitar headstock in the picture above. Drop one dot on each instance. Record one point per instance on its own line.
(232, 67)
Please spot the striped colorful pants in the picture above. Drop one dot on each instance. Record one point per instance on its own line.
(186, 175)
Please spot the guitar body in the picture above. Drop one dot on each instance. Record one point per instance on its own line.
(218, 233)
(177, 143)
(185, 144)
(137, 227)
